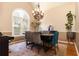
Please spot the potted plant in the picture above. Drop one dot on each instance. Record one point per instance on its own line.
(69, 24)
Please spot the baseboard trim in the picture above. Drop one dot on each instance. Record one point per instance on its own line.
(70, 43)
(65, 42)
(76, 49)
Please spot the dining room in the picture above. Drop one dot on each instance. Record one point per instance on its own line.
(39, 28)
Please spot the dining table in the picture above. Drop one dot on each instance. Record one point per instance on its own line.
(46, 39)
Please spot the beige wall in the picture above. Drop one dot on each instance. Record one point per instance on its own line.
(0, 14)
(77, 17)
(77, 26)
(57, 16)
(54, 14)
(6, 14)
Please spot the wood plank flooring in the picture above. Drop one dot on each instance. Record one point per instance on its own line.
(64, 50)
(71, 51)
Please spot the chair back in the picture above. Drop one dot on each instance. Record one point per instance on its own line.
(33, 37)
(36, 37)
(55, 38)
(1, 34)
(28, 36)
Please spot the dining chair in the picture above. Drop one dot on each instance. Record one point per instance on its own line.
(54, 42)
(55, 38)
(34, 40)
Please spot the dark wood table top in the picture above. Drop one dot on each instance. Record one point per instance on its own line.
(47, 34)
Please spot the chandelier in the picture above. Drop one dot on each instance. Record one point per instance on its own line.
(37, 13)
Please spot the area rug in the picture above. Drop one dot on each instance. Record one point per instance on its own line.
(19, 49)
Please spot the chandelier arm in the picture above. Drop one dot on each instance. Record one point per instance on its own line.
(37, 13)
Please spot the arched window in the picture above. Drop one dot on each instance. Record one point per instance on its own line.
(20, 22)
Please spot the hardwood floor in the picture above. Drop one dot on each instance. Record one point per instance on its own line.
(71, 51)
(21, 50)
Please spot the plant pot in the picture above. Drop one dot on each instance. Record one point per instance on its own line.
(71, 36)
